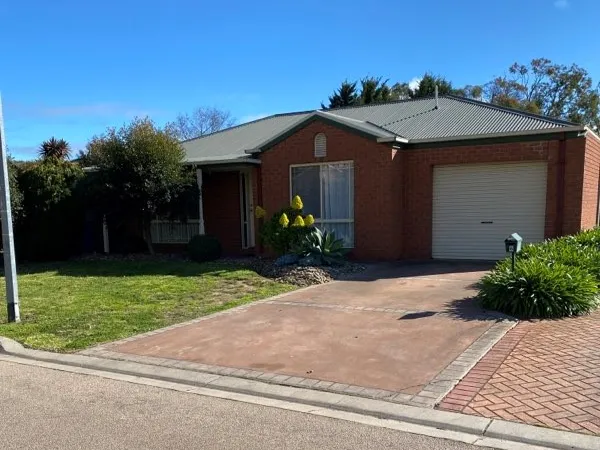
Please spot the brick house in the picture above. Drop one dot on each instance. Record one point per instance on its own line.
(445, 178)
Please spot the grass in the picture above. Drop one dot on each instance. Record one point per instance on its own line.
(72, 305)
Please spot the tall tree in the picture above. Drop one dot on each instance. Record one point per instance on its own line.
(543, 87)
(374, 90)
(426, 87)
(141, 167)
(401, 91)
(201, 121)
(345, 95)
(54, 148)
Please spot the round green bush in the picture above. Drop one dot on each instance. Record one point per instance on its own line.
(204, 247)
(537, 289)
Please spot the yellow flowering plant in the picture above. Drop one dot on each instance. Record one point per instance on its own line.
(297, 203)
(286, 228)
(260, 212)
(298, 221)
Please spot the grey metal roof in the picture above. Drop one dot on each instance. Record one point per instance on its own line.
(419, 119)
(415, 120)
(233, 142)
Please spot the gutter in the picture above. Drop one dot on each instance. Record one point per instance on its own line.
(222, 161)
(575, 128)
(395, 139)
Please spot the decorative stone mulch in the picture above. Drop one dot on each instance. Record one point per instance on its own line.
(301, 275)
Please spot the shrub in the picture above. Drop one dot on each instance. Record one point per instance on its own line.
(51, 222)
(283, 231)
(587, 238)
(141, 171)
(567, 251)
(537, 289)
(203, 247)
(322, 246)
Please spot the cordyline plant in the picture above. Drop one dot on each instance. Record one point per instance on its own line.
(55, 148)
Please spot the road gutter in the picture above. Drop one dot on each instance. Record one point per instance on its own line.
(448, 425)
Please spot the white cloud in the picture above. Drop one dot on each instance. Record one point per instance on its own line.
(251, 117)
(561, 4)
(414, 83)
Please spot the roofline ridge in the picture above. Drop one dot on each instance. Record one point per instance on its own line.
(391, 102)
(509, 110)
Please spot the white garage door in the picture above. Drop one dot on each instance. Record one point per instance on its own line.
(476, 206)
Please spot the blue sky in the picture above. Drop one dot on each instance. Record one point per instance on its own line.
(70, 68)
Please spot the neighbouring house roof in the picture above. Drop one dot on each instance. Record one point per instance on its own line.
(404, 121)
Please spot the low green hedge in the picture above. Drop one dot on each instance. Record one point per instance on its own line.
(537, 289)
(556, 278)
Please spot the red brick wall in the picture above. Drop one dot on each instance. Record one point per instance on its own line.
(393, 189)
(574, 167)
(377, 198)
(221, 196)
(591, 178)
(418, 180)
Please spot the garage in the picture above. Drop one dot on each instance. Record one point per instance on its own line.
(476, 206)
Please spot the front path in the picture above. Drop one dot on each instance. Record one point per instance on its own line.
(541, 373)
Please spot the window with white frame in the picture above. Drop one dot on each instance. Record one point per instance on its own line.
(327, 191)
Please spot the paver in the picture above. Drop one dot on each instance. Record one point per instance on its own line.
(541, 373)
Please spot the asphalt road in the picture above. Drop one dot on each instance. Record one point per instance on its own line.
(46, 409)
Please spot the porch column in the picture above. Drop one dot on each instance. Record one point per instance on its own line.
(200, 203)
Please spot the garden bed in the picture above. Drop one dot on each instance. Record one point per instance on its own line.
(303, 275)
(553, 279)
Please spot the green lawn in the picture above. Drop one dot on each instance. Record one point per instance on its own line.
(72, 305)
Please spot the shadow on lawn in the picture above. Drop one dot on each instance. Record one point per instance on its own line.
(131, 268)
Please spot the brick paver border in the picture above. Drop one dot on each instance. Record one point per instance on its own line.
(482, 372)
(447, 379)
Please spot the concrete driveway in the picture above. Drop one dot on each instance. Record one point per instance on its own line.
(394, 327)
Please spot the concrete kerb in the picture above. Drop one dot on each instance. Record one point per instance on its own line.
(480, 427)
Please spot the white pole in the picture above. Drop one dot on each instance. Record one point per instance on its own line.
(200, 202)
(105, 235)
(8, 242)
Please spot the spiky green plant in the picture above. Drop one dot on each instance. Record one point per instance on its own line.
(323, 246)
(55, 148)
